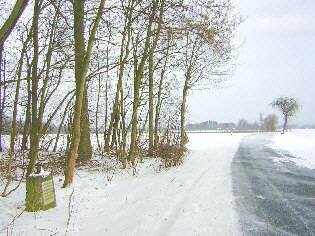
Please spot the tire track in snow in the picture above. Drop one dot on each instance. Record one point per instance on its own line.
(195, 199)
(179, 206)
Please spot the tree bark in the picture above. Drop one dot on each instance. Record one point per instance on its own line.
(183, 107)
(124, 54)
(80, 79)
(151, 81)
(1, 108)
(136, 86)
(9, 24)
(151, 110)
(27, 122)
(285, 123)
(34, 138)
(159, 103)
(85, 146)
(82, 60)
(183, 115)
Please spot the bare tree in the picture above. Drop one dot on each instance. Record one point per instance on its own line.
(288, 106)
(151, 77)
(123, 56)
(207, 32)
(14, 118)
(139, 70)
(44, 82)
(82, 60)
(35, 135)
(270, 122)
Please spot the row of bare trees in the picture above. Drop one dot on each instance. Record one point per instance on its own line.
(123, 68)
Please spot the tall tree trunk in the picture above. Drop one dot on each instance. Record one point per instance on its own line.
(9, 24)
(124, 131)
(191, 57)
(38, 111)
(106, 112)
(1, 108)
(80, 79)
(285, 123)
(183, 117)
(151, 80)
(186, 88)
(2, 105)
(114, 114)
(27, 122)
(159, 98)
(136, 86)
(85, 146)
(34, 138)
(96, 113)
(151, 110)
(12, 139)
(158, 105)
(82, 60)
(124, 54)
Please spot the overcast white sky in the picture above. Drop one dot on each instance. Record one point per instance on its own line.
(278, 58)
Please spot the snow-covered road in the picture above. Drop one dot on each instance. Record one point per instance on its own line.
(193, 199)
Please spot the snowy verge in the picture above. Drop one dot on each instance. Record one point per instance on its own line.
(299, 143)
(193, 199)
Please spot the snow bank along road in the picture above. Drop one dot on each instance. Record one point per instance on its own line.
(273, 197)
(193, 199)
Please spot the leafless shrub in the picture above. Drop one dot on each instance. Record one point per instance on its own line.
(17, 166)
(170, 149)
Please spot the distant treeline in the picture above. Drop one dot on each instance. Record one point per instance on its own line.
(6, 126)
(214, 125)
(243, 125)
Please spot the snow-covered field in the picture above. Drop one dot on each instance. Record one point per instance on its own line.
(299, 143)
(193, 199)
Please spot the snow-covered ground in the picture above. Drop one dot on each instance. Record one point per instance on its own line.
(193, 199)
(299, 143)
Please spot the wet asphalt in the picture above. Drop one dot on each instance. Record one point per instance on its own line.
(272, 198)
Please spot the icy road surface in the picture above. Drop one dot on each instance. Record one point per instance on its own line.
(274, 196)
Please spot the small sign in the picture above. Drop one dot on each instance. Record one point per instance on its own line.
(40, 192)
(48, 192)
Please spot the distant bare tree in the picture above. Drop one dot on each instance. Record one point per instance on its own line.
(269, 123)
(288, 106)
